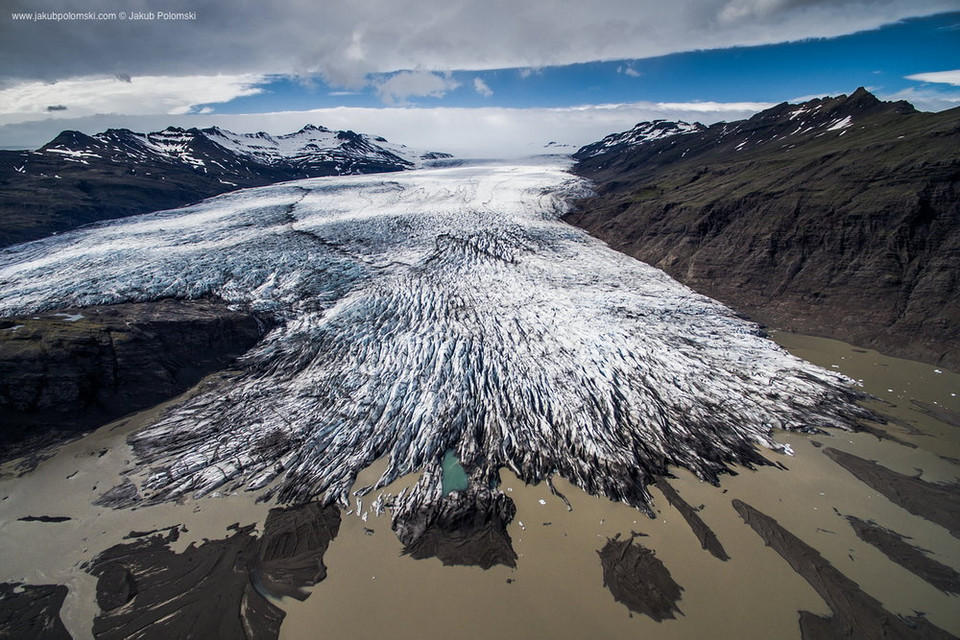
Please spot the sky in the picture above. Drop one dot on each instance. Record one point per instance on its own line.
(478, 78)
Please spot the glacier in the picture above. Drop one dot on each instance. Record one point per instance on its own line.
(438, 309)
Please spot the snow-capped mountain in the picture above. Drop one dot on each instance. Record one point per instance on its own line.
(77, 178)
(781, 127)
(309, 152)
(642, 132)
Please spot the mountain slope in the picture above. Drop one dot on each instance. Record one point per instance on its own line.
(76, 179)
(838, 217)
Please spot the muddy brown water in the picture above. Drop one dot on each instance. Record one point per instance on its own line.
(556, 590)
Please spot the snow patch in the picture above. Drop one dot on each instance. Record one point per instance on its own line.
(841, 123)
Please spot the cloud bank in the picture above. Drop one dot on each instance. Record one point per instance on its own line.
(343, 41)
(939, 77)
(141, 95)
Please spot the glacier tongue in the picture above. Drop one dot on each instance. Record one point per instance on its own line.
(429, 310)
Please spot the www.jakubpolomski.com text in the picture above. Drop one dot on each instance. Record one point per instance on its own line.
(96, 16)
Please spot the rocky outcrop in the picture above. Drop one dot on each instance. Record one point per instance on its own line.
(837, 217)
(71, 370)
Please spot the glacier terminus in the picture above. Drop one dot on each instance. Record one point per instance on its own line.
(446, 308)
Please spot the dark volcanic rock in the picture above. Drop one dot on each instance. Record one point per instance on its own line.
(460, 528)
(837, 217)
(637, 578)
(216, 589)
(913, 559)
(856, 615)
(32, 611)
(76, 369)
(936, 502)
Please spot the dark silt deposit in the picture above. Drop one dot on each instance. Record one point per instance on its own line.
(913, 559)
(32, 611)
(290, 554)
(45, 519)
(706, 536)
(856, 615)
(121, 496)
(219, 589)
(937, 502)
(638, 579)
(940, 413)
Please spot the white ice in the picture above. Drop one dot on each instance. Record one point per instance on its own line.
(428, 310)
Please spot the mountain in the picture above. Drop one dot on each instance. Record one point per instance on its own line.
(76, 179)
(643, 132)
(837, 216)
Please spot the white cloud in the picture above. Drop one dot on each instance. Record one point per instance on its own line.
(348, 40)
(126, 95)
(489, 132)
(926, 98)
(408, 84)
(739, 10)
(629, 71)
(944, 77)
(482, 88)
(710, 108)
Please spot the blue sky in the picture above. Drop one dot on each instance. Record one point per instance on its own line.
(475, 77)
(880, 59)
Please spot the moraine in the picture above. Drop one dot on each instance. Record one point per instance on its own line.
(439, 309)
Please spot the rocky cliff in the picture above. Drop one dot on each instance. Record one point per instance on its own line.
(837, 217)
(73, 370)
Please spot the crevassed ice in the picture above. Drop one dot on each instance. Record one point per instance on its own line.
(433, 310)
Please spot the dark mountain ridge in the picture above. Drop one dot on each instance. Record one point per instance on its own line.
(838, 217)
(76, 179)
